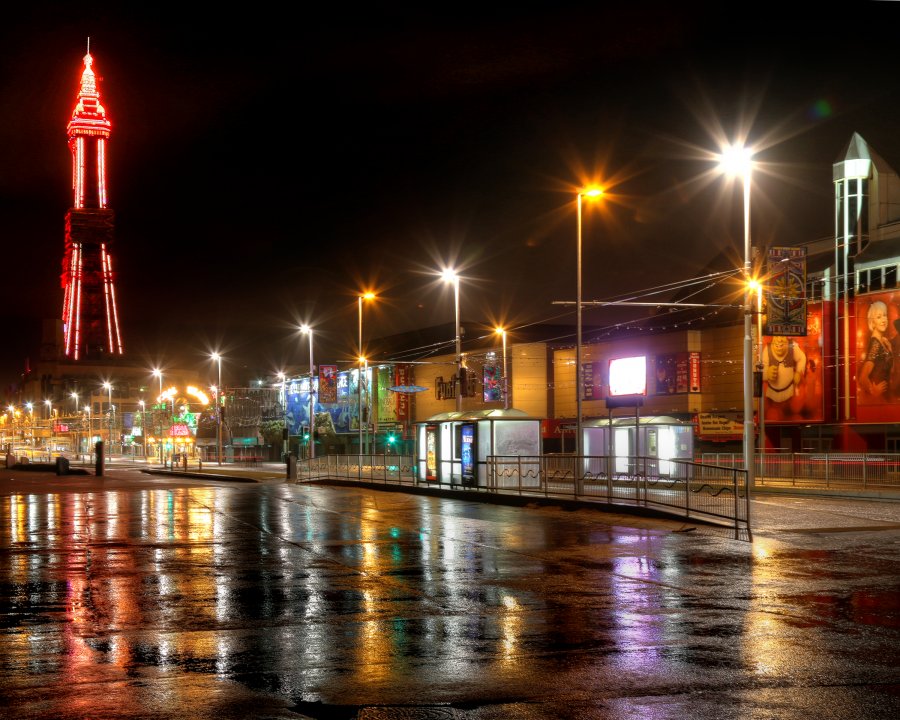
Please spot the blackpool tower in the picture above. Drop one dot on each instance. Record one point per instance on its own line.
(90, 317)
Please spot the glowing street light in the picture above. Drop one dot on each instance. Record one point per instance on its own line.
(449, 275)
(579, 371)
(737, 160)
(158, 373)
(307, 330)
(218, 360)
(502, 333)
(360, 379)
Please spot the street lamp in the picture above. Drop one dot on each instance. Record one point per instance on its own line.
(502, 333)
(362, 359)
(307, 330)
(284, 424)
(158, 373)
(108, 387)
(579, 382)
(143, 428)
(449, 275)
(218, 360)
(738, 160)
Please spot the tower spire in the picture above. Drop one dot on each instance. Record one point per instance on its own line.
(90, 315)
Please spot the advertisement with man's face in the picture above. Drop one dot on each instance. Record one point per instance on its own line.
(792, 378)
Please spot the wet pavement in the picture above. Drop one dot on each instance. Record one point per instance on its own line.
(157, 596)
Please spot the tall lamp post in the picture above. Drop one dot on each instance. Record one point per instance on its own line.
(504, 389)
(362, 359)
(307, 330)
(143, 428)
(284, 423)
(108, 387)
(449, 275)
(579, 381)
(738, 160)
(218, 360)
(74, 396)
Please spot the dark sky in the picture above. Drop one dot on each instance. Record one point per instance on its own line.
(266, 165)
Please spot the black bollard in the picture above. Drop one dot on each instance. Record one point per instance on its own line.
(100, 462)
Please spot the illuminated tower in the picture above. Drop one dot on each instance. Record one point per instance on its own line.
(90, 316)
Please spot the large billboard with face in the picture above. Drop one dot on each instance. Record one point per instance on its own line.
(877, 362)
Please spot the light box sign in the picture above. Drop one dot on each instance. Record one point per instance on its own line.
(628, 376)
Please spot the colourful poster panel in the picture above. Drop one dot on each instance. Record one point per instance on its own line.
(328, 383)
(492, 388)
(677, 373)
(403, 376)
(590, 376)
(877, 363)
(785, 291)
(793, 374)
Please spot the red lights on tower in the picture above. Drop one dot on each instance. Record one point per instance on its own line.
(90, 315)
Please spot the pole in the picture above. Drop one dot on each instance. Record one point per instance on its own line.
(219, 411)
(284, 424)
(312, 407)
(578, 381)
(505, 381)
(359, 379)
(459, 378)
(761, 370)
(749, 429)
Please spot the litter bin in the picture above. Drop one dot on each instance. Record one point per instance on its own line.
(62, 466)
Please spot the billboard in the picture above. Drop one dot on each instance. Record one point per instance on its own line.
(786, 292)
(628, 376)
(877, 363)
(793, 373)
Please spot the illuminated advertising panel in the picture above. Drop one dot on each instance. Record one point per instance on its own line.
(877, 359)
(492, 387)
(793, 373)
(431, 452)
(628, 376)
(467, 451)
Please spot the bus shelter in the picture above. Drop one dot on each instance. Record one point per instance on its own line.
(655, 436)
(453, 447)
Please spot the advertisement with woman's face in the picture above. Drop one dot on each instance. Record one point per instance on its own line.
(792, 374)
(877, 364)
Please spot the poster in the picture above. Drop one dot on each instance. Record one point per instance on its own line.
(492, 384)
(877, 363)
(793, 373)
(328, 383)
(785, 292)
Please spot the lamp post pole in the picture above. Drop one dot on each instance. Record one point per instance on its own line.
(284, 424)
(108, 387)
(450, 276)
(504, 387)
(737, 160)
(77, 444)
(143, 429)
(359, 384)
(218, 358)
(307, 330)
(579, 380)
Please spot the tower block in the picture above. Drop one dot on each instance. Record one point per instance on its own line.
(90, 315)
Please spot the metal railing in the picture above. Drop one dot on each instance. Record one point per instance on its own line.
(843, 470)
(686, 488)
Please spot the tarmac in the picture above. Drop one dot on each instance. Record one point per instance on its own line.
(776, 508)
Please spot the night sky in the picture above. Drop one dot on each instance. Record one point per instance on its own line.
(268, 165)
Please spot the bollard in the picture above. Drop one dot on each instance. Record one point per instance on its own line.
(100, 463)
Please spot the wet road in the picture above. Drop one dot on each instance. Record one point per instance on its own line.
(138, 596)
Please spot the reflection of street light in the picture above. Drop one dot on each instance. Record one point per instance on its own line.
(74, 396)
(738, 160)
(307, 330)
(579, 382)
(449, 275)
(218, 360)
(359, 384)
(502, 333)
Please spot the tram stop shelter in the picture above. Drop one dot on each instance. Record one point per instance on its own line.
(453, 447)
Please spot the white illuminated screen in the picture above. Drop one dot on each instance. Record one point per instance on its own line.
(628, 376)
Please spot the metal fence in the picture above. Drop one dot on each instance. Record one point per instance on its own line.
(686, 488)
(843, 470)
